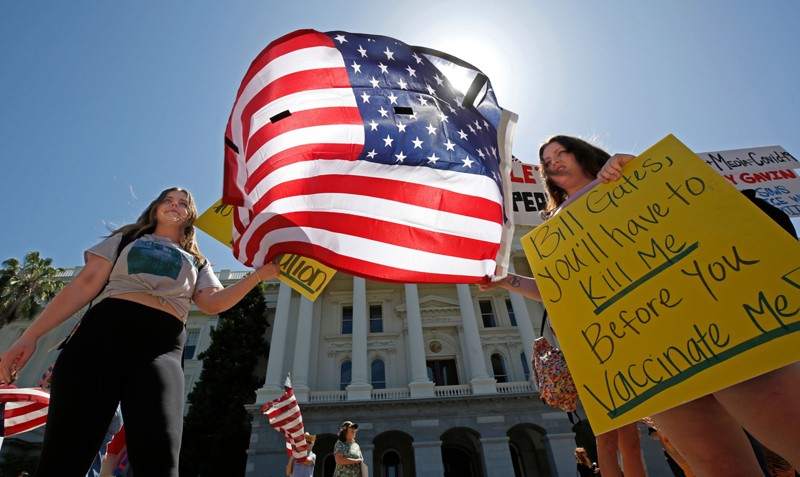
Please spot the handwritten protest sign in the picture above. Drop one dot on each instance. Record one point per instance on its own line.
(665, 286)
(308, 277)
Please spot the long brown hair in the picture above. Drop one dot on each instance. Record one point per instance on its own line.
(590, 157)
(146, 223)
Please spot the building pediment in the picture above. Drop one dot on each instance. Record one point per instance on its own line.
(433, 306)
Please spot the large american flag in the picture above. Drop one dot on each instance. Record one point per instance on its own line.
(357, 150)
(284, 416)
(23, 409)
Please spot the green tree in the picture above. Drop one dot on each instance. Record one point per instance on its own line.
(216, 431)
(25, 289)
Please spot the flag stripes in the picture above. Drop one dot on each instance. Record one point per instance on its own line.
(24, 409)
(284, 416)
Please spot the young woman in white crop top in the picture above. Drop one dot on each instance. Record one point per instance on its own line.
(129, 345)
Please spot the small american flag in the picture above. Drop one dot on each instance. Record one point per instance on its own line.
(23, 409)
(357, 150)
(284, 416)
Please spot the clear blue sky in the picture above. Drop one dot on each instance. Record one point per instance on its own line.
(104, 104)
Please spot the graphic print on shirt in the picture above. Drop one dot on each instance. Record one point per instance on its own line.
(155, 259)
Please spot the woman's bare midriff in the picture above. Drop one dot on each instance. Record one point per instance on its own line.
(151, 301)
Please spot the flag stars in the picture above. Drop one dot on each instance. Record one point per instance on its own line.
(467, 162)
(462, 134)
(387, 141)
(371, 154)
(411, 71)
(422, 101)
(480, 153)
(389, 54)
(384, 113)
(431, 129)
(430, 89)
(341, 39)
(478, 125)
(442, 117)
(375, 83)
(384, 68)
(392, 98)
(471, 129)
(416, 57)
(356, 67)
(449, 145)
(401, 127)
(400, 156)
(362, 51)
(417, 143)
(433, 158)
(373, 126)
(402, 84)
(439, 80)
(365, 97)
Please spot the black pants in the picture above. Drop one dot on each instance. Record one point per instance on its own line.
(122, 353)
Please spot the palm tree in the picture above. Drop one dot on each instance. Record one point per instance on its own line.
(24, 290)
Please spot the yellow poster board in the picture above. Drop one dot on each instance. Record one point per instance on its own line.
(665, 286)
(308, 277)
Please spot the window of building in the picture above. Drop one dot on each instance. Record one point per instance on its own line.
(191, 344)
(391, 465)
(487, 313)
(378, 374)
(375, 319)
(511, 315)
(525, 366)
(344, 375)
(442, 372)
(347, 320)
(499, 368)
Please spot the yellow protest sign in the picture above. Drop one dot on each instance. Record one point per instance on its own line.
(217, 222)
(308, 277)
(665, 286)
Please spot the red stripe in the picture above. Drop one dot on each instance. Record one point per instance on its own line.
(308, 152)
(363, 268)
(22, 410)
(286, 44)
(421, 195)
(382, 231)
(322, 78)
(25, 426)
(300, 120)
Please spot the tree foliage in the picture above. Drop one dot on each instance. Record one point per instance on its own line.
(217, 428)
(25, 289)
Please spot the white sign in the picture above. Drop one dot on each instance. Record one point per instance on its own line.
(770, 171)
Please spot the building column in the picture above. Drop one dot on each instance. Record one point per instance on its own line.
(359, 388)
(562, 452)
(276, 375)
(481, 382)
(428, 459)
(420, 385)
(524, 325)
(302, 350)
(497, 455)
(366, 453)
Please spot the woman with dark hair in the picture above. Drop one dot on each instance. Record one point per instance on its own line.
(128, 346)
(707, 431)
(570, 165)
(347, 453)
